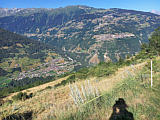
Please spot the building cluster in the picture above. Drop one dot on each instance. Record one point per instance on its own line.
(104, 37)
(54, 67)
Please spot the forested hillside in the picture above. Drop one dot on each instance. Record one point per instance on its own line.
(86, 34)
(26, 63)
(13, 45)
(14, 48)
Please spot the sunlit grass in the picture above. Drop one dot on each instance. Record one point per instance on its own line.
(51, 104)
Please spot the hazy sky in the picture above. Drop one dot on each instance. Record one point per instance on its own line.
(144, 5)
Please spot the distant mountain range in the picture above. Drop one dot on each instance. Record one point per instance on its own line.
(19, 11)
(155, 12)
(85, 34)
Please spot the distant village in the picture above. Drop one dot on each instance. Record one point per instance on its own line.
(55, 67)
(107, 37)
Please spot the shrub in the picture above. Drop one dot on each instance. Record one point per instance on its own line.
(48, 87)
(20, 116)
(22, 96)
(1, 102)
(9, 101)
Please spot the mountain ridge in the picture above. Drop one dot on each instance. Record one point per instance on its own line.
(80, 32)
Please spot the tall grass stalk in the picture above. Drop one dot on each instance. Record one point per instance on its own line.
(86, 93)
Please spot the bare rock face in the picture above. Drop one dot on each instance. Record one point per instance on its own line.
(6, 12)
(94, 59)
(19, 11)
(106, 57)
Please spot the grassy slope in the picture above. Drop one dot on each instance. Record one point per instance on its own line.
(37, 88)
(58, 100)
(143, 101)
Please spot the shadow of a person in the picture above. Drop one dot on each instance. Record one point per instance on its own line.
(120, 112)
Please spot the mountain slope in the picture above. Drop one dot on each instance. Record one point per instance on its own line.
(14, 47)
(19, 11)
(86, 34)
(25, 61)
(13, 44)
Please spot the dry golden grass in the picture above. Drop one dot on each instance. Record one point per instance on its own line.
(38, 88)
(57, 101)
(108, 83)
